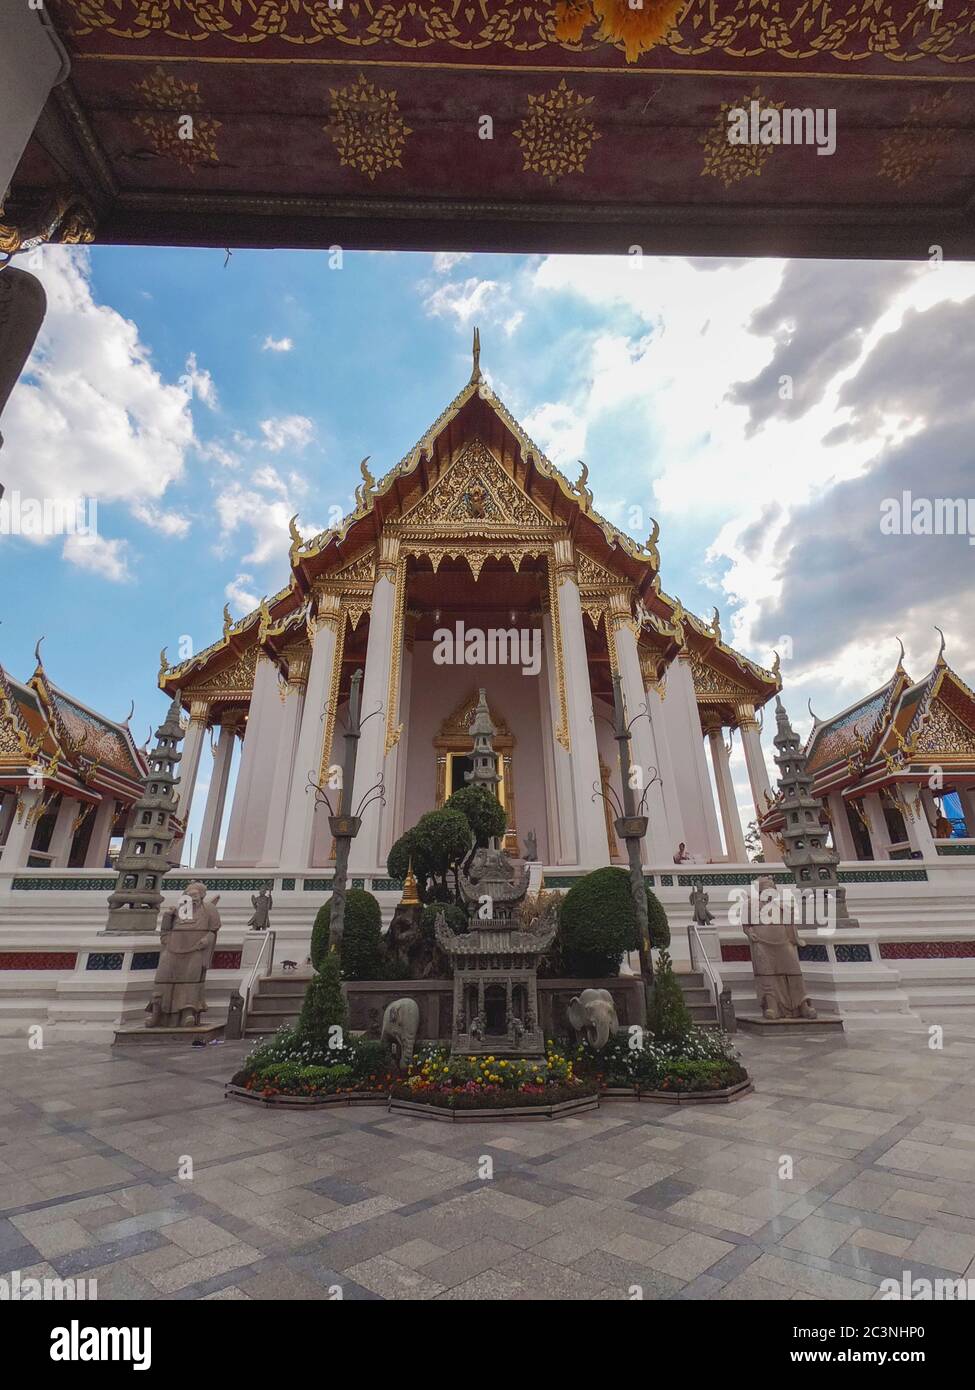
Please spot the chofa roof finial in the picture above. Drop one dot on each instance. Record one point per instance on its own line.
(900, 659)
(476, 370)
(38, 663)
(941, 649)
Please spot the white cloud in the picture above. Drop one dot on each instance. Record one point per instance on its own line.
(277, 344)
(465, 300)
(444, 261)
(109, 558)
(294, 430)
(199, 383)
(166, 523)
(240, 595)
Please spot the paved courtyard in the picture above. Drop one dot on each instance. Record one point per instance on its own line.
(683, 1202)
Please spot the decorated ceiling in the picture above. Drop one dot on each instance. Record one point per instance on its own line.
(573, 124)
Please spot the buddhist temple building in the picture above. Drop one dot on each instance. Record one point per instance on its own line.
(68, 777)
(472, 562)
(885, 767)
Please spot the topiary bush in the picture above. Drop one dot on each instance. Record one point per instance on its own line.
(482, 810)
(597, 924)
(362, 952)
(657, 921)
(436, 845)
(668, 1017)
(319, 934)
(324, 1007)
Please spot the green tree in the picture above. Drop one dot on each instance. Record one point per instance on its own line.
(319, 934)
(324, 1007)
(362, 953)
(484, 812)
(436, 845)
(597, 924)
(668, 1017)
(657, 921)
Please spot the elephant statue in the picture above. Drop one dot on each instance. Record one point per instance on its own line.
(592, 1017)
(401, 1023)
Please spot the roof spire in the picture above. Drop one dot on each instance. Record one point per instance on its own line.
(941, 650)
(476, 370)
(39, 664)
(900, 659)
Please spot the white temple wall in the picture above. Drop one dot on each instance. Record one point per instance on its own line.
(436, 693)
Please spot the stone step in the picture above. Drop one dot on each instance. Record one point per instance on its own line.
(283, 984)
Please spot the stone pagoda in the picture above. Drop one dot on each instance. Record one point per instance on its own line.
(495, 963)
(813, 863)
(145, 854)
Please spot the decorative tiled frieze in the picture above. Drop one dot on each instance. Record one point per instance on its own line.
(734, 880)
(884, 876)
(385, 885)
(666, 881)
(287, 885)
(317, 885)
(817, 952)
(955, 849)
(848, 954)
(68, 885)
(38, 960)
(926, 950)
(225, 960)
(218, 885)
(735, 951)
(145, 960)
(104, 960)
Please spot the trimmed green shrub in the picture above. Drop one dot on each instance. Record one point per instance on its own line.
(657, 921)
(597, 924)
(668, 1017)
(362, 952)
(436, 845)
(324, 1007)
(457, 918)
(482, 810)
(319, 934)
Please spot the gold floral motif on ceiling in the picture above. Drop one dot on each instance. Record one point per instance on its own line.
(732, 163)
(556, 135)
(176, 128)
(475, 488)
(360, 570)
(366, 127)
(739, 29)
(921, 143)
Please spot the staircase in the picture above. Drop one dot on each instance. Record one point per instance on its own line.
(698, 998)
(276, 1000)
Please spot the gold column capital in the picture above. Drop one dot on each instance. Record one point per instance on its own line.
(564, 555)
(745, 712)
(388, 557)
(329, 610)
(199, 711)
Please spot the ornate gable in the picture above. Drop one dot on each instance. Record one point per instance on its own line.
(476, 489)
(237, 679)
(942, 734)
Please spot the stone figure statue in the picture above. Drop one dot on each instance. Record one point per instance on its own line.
(592, 1016)
(531, 847)
(775, 957)
(699, 905)
(262, 905)
(401, 1023)
(234, 1027)
(187, 937)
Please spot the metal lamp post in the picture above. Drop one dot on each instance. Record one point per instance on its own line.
(345, 826)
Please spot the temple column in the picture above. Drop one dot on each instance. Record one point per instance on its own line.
(20, 835)
(561, 825)
(101, 835)
(701, 835)
(327, 634)
(189, 764)
(397, 823)
(8, 809)
(380, 734)
(751, 742)
(916, 822)
(734, 836)
(966, 796)
(284, 763)
(248, 814)
(873, 810)
(63, 833)
(621, 631)
(31, 63)
(658, 723)
(590, 819)
(206, 853)
(843, 841)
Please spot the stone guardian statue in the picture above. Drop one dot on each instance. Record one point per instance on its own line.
(187, 938)
(774, 946)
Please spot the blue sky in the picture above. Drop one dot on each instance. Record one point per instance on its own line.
(202, 405)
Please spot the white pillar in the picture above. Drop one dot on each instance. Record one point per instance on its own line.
(247, 826)
(751, 742)
(967, 797)
(917, 824)
(591, 846)
(282, 780)
(31, 63)
(843, 841)
(62, 835)
(189, 763)
(101, 834)
(396, 825)
(7, 812)
(299, 822)
(877, 829)
(379, 733)
(20, 835)
(562, 844)
(643, 748)
(701, 835)
(665, 765)
(206, 854)
(734, 836)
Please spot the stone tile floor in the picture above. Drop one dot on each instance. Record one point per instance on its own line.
(690, 1203)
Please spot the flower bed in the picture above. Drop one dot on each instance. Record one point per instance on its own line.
(289, 1066)
(437, 1081)
(701, 1064)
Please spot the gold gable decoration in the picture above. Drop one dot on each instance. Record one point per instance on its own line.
(475, 488)
(235, 680)
(710, 684)
(942, 735)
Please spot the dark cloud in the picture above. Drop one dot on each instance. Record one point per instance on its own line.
(843, 578)
(818, 318)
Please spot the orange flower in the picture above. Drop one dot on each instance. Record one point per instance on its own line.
(637, 30)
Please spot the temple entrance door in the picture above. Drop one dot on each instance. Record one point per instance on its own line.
(460, 764)
(495, 1010)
